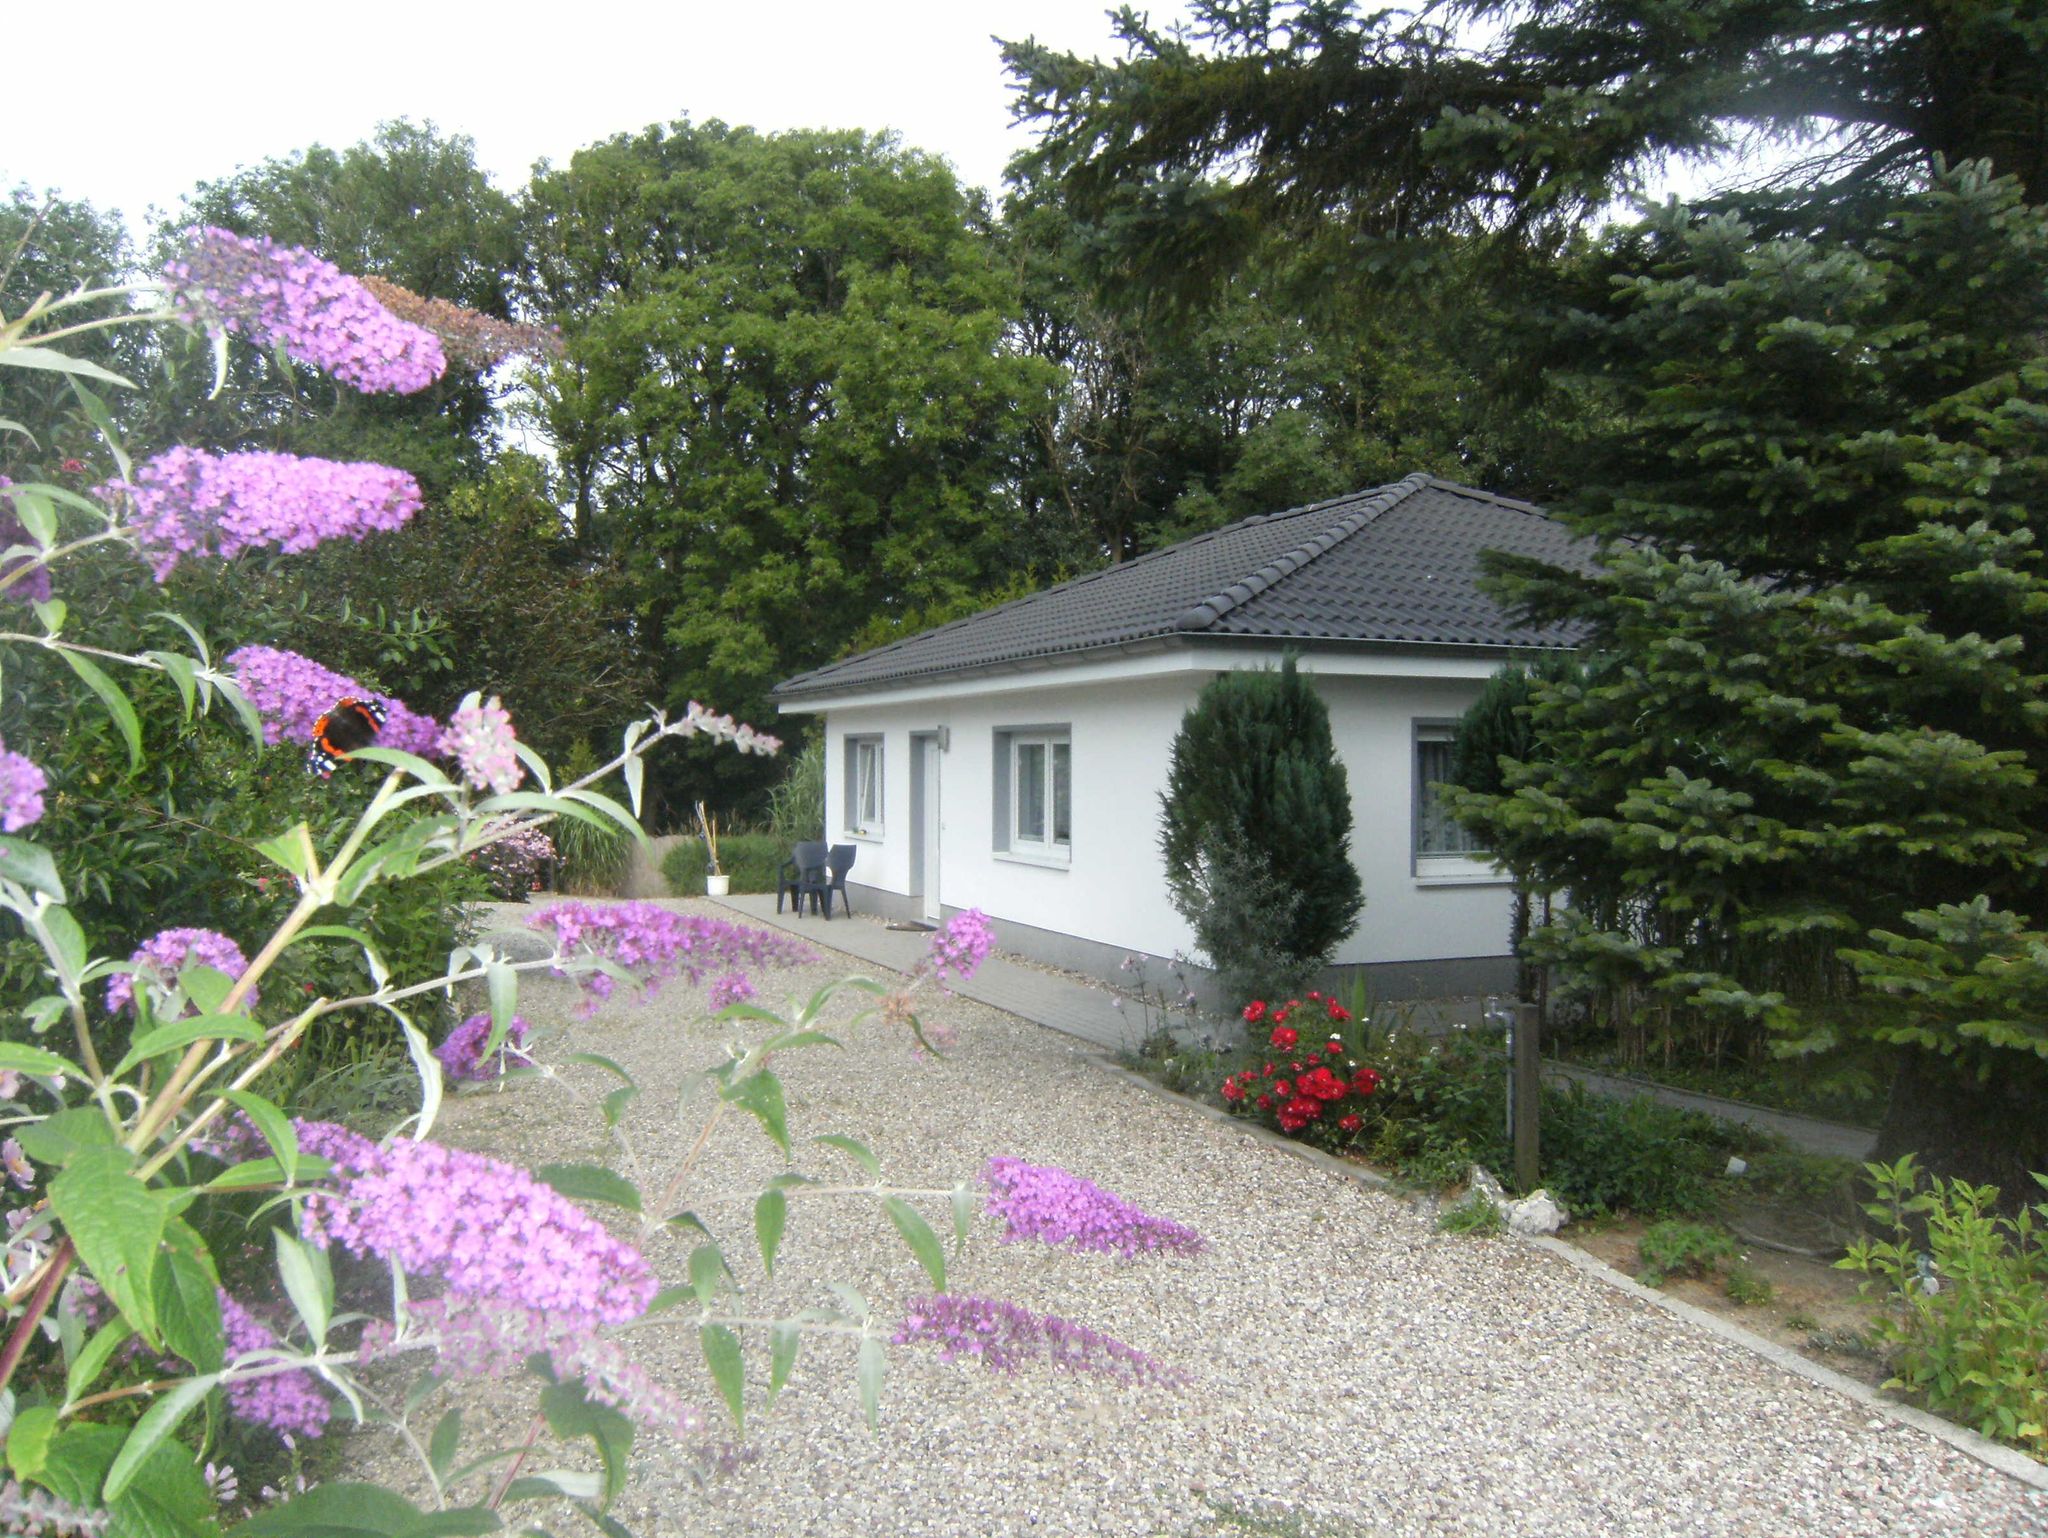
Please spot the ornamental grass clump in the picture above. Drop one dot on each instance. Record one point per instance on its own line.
(1048, 1204)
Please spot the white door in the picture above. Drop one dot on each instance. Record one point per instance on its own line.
(928, 842)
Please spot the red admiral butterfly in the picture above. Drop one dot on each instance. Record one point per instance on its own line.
(351, 724)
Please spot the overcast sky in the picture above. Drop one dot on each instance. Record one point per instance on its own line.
(143, 101)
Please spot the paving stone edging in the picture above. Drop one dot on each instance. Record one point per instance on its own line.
(2006, 1460)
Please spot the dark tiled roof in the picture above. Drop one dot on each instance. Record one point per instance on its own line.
(1396, 565)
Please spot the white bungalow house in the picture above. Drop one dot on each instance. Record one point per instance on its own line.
(1013, 761)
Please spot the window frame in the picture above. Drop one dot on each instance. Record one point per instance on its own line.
(1456, 863)
(1055, 744)
(864, 746)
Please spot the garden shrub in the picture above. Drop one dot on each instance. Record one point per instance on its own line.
(1633, 1155)
(753, 860)
(1969, 1318)
(1676, 1247)
(1256, 830)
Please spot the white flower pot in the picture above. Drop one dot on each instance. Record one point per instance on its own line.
(717, 884)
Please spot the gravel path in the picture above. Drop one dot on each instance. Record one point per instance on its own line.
(1350, 1370)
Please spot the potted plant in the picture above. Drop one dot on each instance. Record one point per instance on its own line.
(716, 882)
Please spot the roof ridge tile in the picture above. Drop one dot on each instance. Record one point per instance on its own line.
(1201, 615)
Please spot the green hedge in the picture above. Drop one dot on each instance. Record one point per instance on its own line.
(753, 860)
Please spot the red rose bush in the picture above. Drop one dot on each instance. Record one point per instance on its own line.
(1308, 1088)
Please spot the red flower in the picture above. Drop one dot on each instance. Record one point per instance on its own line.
(1284, 1036)
(1338, 1012)
(1255, 1011)
(1365, 1081)
(73, 467)
(1323, 1084)
(1265, 1102)
(1283, 1086)
(1302, 1108)
(1352, 1123)
(1313, 994)
(1269, 1070)
(1232, 1090)
(1280, 1014)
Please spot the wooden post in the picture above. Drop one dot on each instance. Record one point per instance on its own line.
(1528, 1096)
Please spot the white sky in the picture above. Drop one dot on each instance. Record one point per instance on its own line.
(152, 99)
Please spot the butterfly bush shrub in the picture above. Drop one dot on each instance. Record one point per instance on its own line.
(143, 1097)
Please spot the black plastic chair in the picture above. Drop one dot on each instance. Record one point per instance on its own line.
(805, 866)
(832, 878)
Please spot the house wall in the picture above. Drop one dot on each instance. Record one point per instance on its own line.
(1430, 927)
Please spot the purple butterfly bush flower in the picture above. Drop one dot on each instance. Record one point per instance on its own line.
(479, 738)
(194, 502)
(961, 945)
(1045, 1202)
(164, 954)
(461, 1054)
(1002, 1336)
(291, 692)
(652, 943)
(489, 1232)
(285, 296)
(289, 1403)
(21, 791)
(33, 586)
(731, 988)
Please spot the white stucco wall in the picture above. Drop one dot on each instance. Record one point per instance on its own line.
(1122, 722)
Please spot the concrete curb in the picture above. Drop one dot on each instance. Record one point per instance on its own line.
(2005, 1460)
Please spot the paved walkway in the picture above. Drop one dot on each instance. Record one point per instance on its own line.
(1042, 997)
(1092, 1013)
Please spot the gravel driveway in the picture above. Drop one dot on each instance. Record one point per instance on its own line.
(1348, 1369)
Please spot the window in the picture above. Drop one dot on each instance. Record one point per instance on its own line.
(1437, 834)
(1035, 793)
(864, 786)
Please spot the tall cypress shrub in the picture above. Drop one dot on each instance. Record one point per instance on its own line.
(1256, 829)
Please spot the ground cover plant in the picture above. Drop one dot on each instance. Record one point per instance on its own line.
(190, 1266)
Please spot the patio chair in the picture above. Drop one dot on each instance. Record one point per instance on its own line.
(806, 863)
(833, 879)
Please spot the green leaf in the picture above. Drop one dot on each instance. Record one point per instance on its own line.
(456, 1522)
(722, 1356)
(252, 723)
(873, 1363)
(59, 1137)
(30, 865)
(783, 1340)
(49, 359)
(614, 1104)
(917, 1233)
(117, 1223)
(293, 851)
(796, 1040)
(275, 1126)
(308, 1282)
(670, 1296)
(51, 615)
(90, 1362)
(596, 1060)
(265, 1172)
(855, 1149)
(444, 1443)
(182, 1033)
(707, 1270)
(28, 1440)
(771, 1211)
(591, 1183)
(188, 1299)
(618, 814)
(16, 1058)
(157, 1422)
(569, 1412)
(963, 1215)
(208, 987)
(342, 1509)
(118, 708)
(96, 412)
(761, 1093)
(428, 1067)
(67, 939)
(182, 671)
